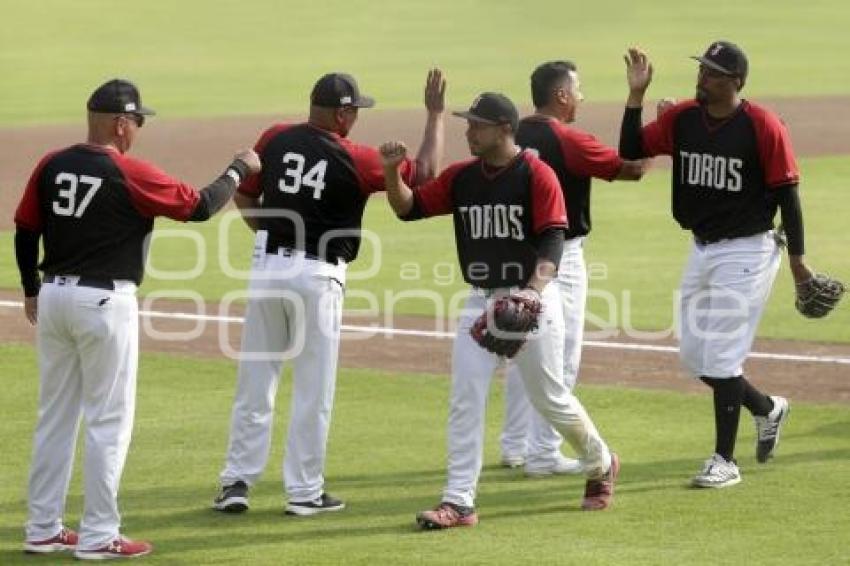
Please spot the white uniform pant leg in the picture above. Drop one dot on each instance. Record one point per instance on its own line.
(59, 411)
(544, 441)
(472, 371)
(314, 375)
(265, 335)
(541, 366)
(107, 336)
(518, 414)
(717, 339)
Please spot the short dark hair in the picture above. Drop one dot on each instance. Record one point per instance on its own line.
(546, 77)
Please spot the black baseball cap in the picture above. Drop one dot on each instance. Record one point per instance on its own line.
(118, 96)
(725, 57)
(492, 108)
(339, 89)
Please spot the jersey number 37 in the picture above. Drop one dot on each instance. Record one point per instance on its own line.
(294, 176)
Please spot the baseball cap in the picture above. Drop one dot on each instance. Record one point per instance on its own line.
(339, 89)
(117, 96)
(725, 57)
(492, 108)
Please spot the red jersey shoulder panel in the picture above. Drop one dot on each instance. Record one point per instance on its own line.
(370, 171)
(28, 213)
(435, 196)
(155, 193)
(774, 146)
(658, 135)
(547, 198)
(585, 155)
(250, 186)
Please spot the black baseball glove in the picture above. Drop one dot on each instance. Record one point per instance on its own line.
(504, 325)
(818, 296)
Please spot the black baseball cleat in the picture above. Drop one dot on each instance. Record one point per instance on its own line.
(322, 504)
(233, 498)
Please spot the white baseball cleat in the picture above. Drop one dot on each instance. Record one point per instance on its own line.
(768, 428)
(509, 461)
(559, 465)
(718, 472)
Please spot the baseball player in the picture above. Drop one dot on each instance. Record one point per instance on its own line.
(576, 157)
(314, 187)
(94, 207)
(733, 166)
(509, 220)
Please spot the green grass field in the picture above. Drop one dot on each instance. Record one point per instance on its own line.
(222, 57)
(386, 459)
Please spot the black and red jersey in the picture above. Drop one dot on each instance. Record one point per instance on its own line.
(498, 216)
(723, 170)
(317, 183)
(576, 157)
(95, 208)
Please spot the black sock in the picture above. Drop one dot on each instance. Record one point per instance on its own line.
(728, 394)
(755, 401)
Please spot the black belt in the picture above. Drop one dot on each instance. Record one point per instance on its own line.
(106, 284)
(289, 252)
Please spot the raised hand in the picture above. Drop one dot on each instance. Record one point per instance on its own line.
(392, 154)
(638, 70)
(435, 91)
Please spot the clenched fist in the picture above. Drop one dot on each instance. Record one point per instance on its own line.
(392, 153)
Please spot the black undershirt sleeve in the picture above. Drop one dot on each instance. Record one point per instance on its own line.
(788, 199)
(215, 195)
(415, 212)
(631, 142)
(550, 245)
(26, 254)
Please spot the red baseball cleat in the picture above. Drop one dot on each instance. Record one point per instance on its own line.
(447, 515)
(118, 548)
(65, 540)
(599, 493)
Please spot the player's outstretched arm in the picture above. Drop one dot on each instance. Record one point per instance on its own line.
(431, 148)
(399, 195)
(638, 77)
(215, 195)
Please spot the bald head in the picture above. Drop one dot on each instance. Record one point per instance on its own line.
(113, 129)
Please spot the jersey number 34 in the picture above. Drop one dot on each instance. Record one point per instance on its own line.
(294, 176)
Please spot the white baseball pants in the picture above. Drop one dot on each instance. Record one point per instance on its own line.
(88, 348)
(724, 289)
(540, 365)
(294, 313)
(524, 432)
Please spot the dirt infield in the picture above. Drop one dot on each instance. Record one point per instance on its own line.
(195, 150)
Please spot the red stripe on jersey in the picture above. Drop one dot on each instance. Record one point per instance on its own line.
(370, 171)
(250, 186)
(155, 193)
(549, 208)
(586, 156)
(774, 147)
(657, 136)
(435, 197)
(28, 214)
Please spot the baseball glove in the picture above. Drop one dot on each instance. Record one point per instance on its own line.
(818, 296)
(504, 325)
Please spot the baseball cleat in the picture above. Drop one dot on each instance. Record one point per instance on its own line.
(447, 515)
(233, 498)
(599, 492)
(717, 472)
(323, 504)
(559, 465)
(509, 461)
(118, 548)
(65, 540)
(768, 427)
